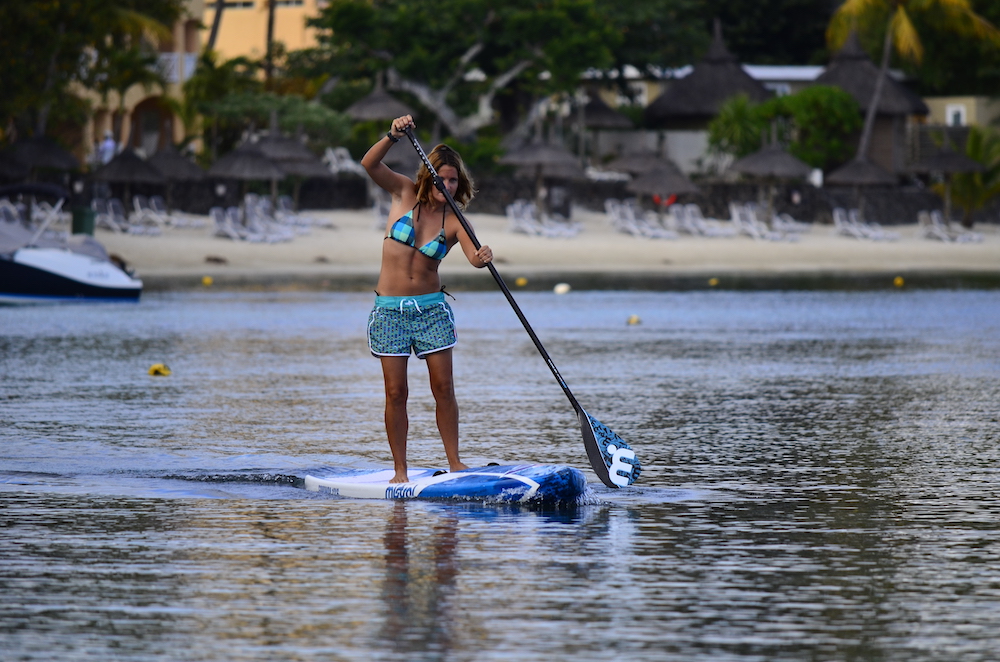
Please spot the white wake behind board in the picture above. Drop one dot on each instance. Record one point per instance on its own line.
(505, 484)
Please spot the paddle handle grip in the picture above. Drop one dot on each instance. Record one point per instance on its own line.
(439, 184)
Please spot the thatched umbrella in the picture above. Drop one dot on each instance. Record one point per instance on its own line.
(246, 163)
(769, 165)
(663, 182)
(636, 163)
(598, 115)
(129, 168)
(540, 156)
(379, 105)
(295, 159)
(696, 98)
(43, 152)
(175, 168)
(11, 167)
(859, 174)
(948, 162)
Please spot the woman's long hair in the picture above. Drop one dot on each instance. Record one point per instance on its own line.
(441, 156)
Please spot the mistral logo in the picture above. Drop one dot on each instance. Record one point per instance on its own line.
(402, 491)
(620, 470)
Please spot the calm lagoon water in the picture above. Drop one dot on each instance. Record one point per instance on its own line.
(820, 482)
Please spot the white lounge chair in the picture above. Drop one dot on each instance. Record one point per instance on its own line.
(871, 230)
(690, 219)
(746, 221)
(956, 232)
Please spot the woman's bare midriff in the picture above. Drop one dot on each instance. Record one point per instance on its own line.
(406, 271)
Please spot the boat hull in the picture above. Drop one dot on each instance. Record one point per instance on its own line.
(51, 275)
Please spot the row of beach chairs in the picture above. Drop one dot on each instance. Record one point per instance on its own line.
(933, 226)
(626, 217)
(523, 218)
(258, 222)
(149, 216)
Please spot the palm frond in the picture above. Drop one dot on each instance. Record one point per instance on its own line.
(905, 36)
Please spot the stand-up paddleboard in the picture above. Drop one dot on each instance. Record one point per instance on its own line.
(613, 460)
(535, 483)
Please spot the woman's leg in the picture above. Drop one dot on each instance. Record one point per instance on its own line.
(396, 422)
(443, 387)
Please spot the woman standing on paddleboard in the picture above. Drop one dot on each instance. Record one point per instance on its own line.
(410, 313)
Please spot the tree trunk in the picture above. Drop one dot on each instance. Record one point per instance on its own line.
(883, 70)
(216, 21)
(50, 80)
(269, 57)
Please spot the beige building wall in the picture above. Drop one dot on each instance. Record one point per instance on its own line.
(962, 111)
(243, 30)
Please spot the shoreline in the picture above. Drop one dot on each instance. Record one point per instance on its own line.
(347, 258)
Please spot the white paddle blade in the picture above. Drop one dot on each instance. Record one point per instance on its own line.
(613, 460)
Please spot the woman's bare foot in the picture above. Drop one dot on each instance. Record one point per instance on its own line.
(400, 477)
(458, 466)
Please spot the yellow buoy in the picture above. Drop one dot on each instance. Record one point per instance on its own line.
(159, 370)
(561, 288)
(207, 281)
(898, 281)
(712, 282)
(633, 320)
(521, 281)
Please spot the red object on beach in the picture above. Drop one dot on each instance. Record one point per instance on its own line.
(671, 200)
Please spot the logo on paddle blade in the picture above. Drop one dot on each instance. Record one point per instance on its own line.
(622, 464)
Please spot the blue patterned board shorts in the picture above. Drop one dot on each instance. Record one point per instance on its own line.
(423, 324)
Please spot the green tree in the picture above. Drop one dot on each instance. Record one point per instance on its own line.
(894, 20)
(212, 82)
(47, 45)
(456, 56)
(972, 190)
(815, 124)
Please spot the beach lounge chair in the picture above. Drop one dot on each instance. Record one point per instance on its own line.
(103, 217)
(631, 219)
(956, 232)
(746, 221)
(523, 218)
(690, 219)
(222, 225)
(871, 230)
(785, 223)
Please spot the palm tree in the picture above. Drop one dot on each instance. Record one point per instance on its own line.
(954, 15)
(972, 190)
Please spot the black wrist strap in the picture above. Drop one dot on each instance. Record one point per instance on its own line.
(391, 137)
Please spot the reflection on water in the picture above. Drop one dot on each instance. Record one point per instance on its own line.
(819, 483)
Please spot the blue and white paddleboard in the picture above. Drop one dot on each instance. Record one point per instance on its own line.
(539, 483)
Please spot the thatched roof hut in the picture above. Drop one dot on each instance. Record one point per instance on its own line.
(128, 168)
(696, 98)
(599, 115)
(174, 166)
(379, 105)
(772, 162)
(853, 71)
(861, 172)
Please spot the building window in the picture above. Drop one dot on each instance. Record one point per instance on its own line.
(288, 3)
(779, 89)
(955, 114)
(235, 4)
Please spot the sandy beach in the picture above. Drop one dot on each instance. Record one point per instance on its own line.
(347, 257)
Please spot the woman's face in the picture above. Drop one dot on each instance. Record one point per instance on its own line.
(448, 175)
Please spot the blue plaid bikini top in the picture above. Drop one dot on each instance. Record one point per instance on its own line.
(404, 232)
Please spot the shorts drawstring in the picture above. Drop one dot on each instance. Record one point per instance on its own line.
(409, 302)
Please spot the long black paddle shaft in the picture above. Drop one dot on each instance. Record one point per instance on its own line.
(496, 275)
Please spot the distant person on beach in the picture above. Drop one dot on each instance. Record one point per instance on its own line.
(108, 148)
(410, 313)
